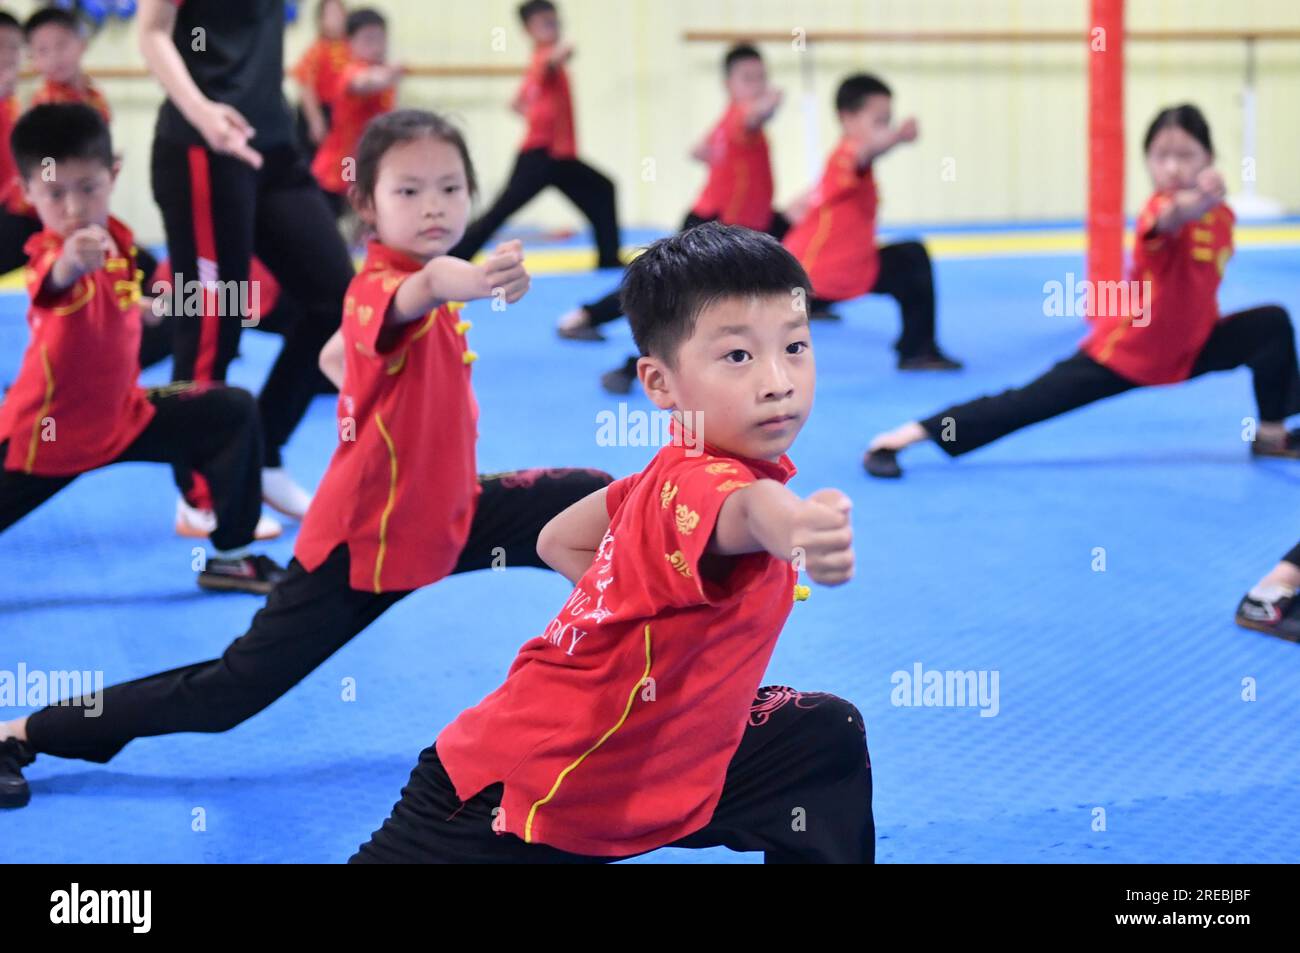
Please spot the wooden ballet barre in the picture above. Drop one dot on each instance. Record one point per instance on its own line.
(981, 36)
(466, 71)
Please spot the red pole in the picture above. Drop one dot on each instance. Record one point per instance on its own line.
(1106, 141)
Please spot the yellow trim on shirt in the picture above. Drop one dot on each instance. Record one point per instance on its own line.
(392, 499)
(819, 238)
(80, 302)
(631, 697)
(45, 409)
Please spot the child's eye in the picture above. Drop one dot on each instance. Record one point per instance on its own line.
(737, 356)
(796, 347)
(406, 191)
(452, 188)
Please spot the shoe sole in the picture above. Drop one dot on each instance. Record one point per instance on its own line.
(1267, 630)
(186, 531)
(223, 584)
(19, 799)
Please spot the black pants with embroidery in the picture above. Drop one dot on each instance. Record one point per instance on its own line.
(798, 789)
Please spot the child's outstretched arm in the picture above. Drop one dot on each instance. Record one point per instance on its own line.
(1190, 204)
(767, 516)
(446, 279)
(84, 251)
(375, 79)
(905, 131)
(568, 543)
(763, 108)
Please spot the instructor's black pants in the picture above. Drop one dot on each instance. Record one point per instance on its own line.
(218, 213)
(1261, 339)
(307, 618)
(798, 789)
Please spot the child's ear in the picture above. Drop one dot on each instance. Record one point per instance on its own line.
(655, 379)
(115, 169)
(363, 205)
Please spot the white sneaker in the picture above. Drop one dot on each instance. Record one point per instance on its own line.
(281, 493)
(195, 523)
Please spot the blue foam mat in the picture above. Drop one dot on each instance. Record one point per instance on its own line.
(1119, 690)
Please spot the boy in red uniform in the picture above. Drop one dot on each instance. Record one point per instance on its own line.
(56, 44)
(401, 505)
(738, 191)
(835, 240)
(635, 719)
(362, 90)
(1169, 331)
(17, 223)
(549, 153)
(75, 405)
(318, 69)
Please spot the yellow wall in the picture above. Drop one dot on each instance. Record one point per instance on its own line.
(1009, 117)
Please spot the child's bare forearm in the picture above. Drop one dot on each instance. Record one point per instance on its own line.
(569, 542)
(757, 518)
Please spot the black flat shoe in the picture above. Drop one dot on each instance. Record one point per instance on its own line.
(883, 464)
(14, 756)
(1280, 618)
(1289, 448)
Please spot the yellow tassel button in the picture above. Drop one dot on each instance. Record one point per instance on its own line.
(801, 593)
(469, 357)
(463, 326)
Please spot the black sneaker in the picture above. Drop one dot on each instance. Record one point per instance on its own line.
(256, 574)
(620, 379)
(883, 464)
(1280, 618)
(1289, 448)
(934, 360)
(583, 332)
(14, 756)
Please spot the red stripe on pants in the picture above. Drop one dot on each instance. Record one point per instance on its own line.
(205, 244)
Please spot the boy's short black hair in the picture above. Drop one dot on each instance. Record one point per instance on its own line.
(855, 89)
(60, 131)
(674, 279)
(533, 7)
(399, 126)
(739, 53)
(9, 22)
(56, 16)
(358, 20)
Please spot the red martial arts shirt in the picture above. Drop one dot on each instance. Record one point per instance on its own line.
(401, 487)
(349, 114)
(836, 241)
(548, 108)
(614, 728)
(76, 403)
(1157, 339)
(739, 190)
(52, 92)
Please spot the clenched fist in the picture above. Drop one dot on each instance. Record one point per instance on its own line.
(823, 533)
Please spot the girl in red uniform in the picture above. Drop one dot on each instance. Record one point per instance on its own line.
(317, 71)
(401, 505)
(1171, 334)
